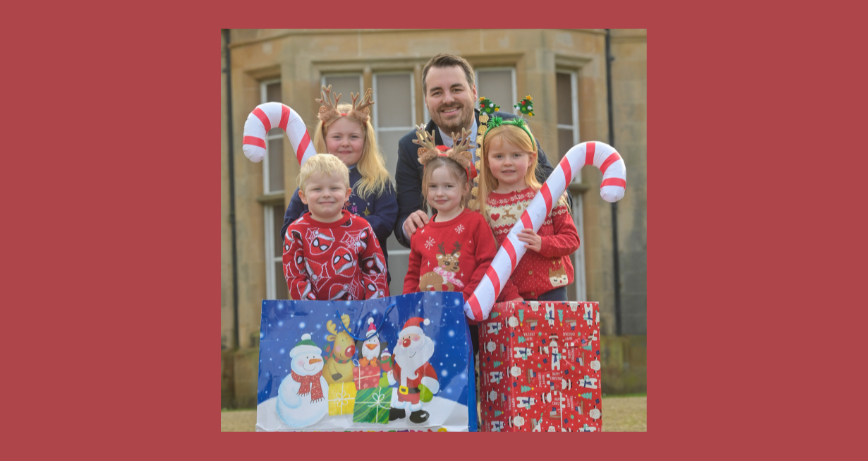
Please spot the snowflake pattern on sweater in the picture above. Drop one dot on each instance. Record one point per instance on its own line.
(451, 255)
(341, 260)
(551, 267)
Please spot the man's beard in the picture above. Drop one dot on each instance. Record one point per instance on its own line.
(410, 364)
(454, 126)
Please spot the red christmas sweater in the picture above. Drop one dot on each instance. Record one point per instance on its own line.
(338, 260)
(537, 272)
(451, 255)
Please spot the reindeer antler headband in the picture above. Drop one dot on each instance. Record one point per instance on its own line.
(328, 111)
(459, 152)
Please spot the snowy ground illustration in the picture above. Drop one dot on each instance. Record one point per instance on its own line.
(444, 414)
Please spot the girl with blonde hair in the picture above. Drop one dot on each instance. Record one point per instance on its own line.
(345, 131)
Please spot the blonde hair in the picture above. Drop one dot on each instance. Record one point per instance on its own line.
(517, 137)
(323, 164)
(456, 171)
(371, 166)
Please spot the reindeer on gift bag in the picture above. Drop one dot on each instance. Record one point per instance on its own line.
(443, 278)
(339, 364)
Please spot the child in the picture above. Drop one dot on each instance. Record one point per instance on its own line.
(453, 251)
(345, 131)
(329, 254)
(506, 187)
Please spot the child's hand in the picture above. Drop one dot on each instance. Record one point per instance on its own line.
(530, 239)
(516, 300)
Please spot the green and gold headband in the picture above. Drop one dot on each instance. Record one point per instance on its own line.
(525, 106)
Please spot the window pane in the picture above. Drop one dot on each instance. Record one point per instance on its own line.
(344, 85)
(272, 92)
(565, 141)
(393, 107)
(275, 165)
(565, 99)
(388, 141)
(278, 212)
(280, 290)
(496, 85)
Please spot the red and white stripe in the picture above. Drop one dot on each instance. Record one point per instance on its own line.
(271, 115)
(602, 156)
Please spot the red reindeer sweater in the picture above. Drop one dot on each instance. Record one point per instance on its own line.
(537, 272)
(337, 260)
(451, 255)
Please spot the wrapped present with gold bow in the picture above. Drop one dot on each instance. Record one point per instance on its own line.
(342, 398)
(372, 405)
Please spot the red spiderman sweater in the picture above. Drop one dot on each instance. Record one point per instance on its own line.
(451, 255)
(537, 272)
(338, 260)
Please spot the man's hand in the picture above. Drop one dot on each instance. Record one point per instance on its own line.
(415, 221)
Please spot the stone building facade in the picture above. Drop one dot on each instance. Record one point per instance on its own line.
(564, 70)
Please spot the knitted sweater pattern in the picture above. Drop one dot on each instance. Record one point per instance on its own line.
(551, 267)
(461, 248)
(341, 260)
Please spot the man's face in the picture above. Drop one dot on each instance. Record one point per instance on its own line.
(449, 98)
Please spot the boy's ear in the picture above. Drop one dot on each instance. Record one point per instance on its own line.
(302, 197)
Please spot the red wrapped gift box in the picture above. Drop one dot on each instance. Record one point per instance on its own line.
(366, 377)
(540, 367)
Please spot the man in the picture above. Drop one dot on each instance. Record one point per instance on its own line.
(450, 95)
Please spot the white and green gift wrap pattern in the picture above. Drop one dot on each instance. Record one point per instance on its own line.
(372, 405)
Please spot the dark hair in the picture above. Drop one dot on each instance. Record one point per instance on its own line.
(447, 60)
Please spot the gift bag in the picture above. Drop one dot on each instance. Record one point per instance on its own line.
(401, 364)
(539, 366)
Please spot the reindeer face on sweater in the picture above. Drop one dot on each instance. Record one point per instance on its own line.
(558, 277)
(449, 262)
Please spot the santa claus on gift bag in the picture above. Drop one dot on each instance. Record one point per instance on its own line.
(416, 378)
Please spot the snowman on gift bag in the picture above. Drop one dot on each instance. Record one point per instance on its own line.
(412, 372)
(301, 397)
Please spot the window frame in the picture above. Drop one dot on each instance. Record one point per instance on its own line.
(268, 210)
(511, 109)
(263, 98)
(579, 281)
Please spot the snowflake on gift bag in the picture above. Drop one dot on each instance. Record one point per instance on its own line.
(459, 229)
(429, 243)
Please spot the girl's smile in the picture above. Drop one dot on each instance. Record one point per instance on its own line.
(509, 165)
(345, 139)
(444, 194)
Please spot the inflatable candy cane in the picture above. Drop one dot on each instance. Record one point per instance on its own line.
(274, 114)
(602, 156)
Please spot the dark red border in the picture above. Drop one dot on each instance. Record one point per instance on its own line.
(113, 291)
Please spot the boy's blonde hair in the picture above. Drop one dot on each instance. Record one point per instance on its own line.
(517, 137)
(371, 165)
(326, 164)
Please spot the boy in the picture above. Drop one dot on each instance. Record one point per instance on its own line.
(328, 253)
